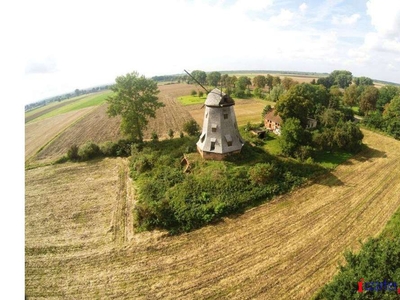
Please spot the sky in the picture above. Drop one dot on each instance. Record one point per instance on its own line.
(63, 45)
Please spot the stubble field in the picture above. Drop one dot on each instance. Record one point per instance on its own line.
(80, 243)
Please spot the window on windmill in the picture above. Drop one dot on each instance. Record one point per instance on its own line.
(225, 116)
(213, 140)
(203, 136)
(214, 127)
(228, 139)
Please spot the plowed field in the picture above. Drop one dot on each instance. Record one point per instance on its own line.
(80, 244)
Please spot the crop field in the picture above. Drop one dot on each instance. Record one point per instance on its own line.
(95, 126)
(246, 110)
(38, 134)
(80, 241)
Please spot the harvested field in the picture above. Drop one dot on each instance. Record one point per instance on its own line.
(95, 126)
(285, 249)
(98, 127)
(246, 110)
(38, 112)
(38, 134)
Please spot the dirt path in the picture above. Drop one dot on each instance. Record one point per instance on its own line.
(285, 249)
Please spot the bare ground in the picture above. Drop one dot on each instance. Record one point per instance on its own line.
(79, 242)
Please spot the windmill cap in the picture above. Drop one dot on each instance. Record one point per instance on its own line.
(216, 98)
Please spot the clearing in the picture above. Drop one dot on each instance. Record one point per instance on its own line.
(80, 244)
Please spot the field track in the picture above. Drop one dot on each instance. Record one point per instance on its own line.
(285, 249)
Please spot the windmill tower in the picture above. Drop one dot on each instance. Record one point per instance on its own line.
(220, 136)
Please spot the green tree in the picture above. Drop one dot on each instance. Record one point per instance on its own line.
(351, 95)
(276, 80)
(213, 78)
(288, 82)
(135, 100)
(259, 81)
(342, 78)
(368, 99)
(363, 81)
(266, 109)
(386, 94)
(292, 136)
(335, 97)
(269, 80)
(276, 92)
(77, 92)
(200, 76)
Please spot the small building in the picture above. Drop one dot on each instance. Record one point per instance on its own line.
(220, 134)
(273, 122)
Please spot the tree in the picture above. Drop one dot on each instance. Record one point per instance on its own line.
(268, 81)
(241, 86)
(266, 109)
(200, 76)
(213, 78)
(330, 117)
(77, 92)
(276, 92)
(135, 100)
(386, 94)
(342, 78)
(368, 99)
(363, 81)
(335, 97)
(292, 136)
(259, 81)
(288, 82)
(191, 127)
(276, 80)
(351, 95)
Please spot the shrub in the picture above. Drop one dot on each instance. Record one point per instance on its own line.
(191, 127)
(72, 153)
(109, 149)
(170, 133)
(181, 135)
(201, 94)
(261, 173)
(154, 136)
(193, 93)
(88, 151)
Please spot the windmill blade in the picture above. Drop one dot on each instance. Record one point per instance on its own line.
(197, 81)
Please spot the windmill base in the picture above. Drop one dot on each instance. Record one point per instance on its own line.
(215, 156)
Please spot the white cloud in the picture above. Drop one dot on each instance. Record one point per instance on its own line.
(345, 20)
(385, 17)
(252, 5)
(303, 7)
(283, 19)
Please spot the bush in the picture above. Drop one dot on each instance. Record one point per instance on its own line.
(193, 93)
(181, 135)
(72, 153)
(201, 94)
(88, 151)
(170, 133)
(261, 173)
(191, 127)
(109, 149)
(154, 136)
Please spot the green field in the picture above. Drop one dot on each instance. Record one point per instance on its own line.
(331, 160)
(88, 101)
(55, 103)
(189, 100)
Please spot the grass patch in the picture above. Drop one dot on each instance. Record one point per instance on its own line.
(331, 160)
(190, 100)
(272, 143)
(88, 101)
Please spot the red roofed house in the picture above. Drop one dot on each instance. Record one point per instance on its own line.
(273, 122)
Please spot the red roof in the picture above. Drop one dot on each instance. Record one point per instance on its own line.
(272, 117)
